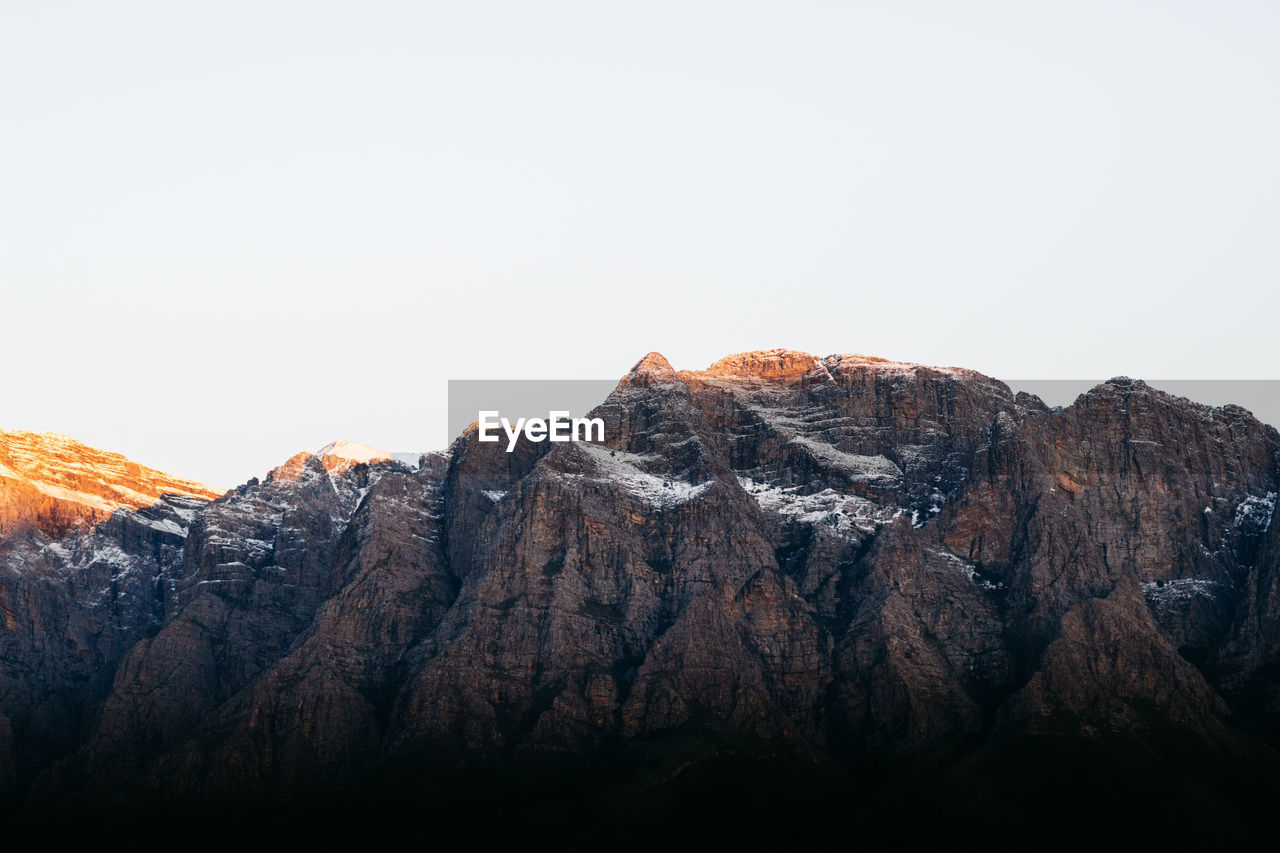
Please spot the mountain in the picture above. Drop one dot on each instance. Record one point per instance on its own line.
(786, 593)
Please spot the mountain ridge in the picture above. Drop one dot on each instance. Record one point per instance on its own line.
(866, 576)
(51, 481)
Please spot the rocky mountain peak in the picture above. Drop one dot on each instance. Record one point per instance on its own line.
(653, 369)
(339, 456)
(292, 469)
(782, 367)
(336, 458)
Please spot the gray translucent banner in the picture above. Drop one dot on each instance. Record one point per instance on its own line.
(1260, 396)
(536, 398)
(522, 398)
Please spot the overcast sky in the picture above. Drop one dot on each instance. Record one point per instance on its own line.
(230, 231)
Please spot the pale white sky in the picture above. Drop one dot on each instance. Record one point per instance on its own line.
(230, 231)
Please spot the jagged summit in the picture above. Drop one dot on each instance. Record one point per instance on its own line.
(653, 369)
(777, 365)
(336, 457)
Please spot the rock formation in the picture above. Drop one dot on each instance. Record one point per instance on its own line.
(785, 579)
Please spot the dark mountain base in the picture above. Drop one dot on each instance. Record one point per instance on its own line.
(1042, 789)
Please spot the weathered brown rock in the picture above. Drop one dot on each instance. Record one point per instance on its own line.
(842, 565)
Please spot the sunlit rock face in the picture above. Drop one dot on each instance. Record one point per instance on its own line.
(775, 365)
(52, 483)
(845, 568)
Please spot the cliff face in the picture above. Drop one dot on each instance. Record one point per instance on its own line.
(841, 566)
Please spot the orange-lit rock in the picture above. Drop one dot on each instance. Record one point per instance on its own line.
(53, 483)
(778, 365)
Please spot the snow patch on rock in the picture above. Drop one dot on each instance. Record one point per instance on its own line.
(1178, 590)
(353, 452)
(1254, 514)
(843, 513)
(858, 466)
(628, 471)
(967, 568)
(795, 426)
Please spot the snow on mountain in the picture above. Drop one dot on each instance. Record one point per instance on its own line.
(338, 456)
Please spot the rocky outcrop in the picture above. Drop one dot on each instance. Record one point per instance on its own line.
(838, 568)
(53, 484)
(256, 567)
